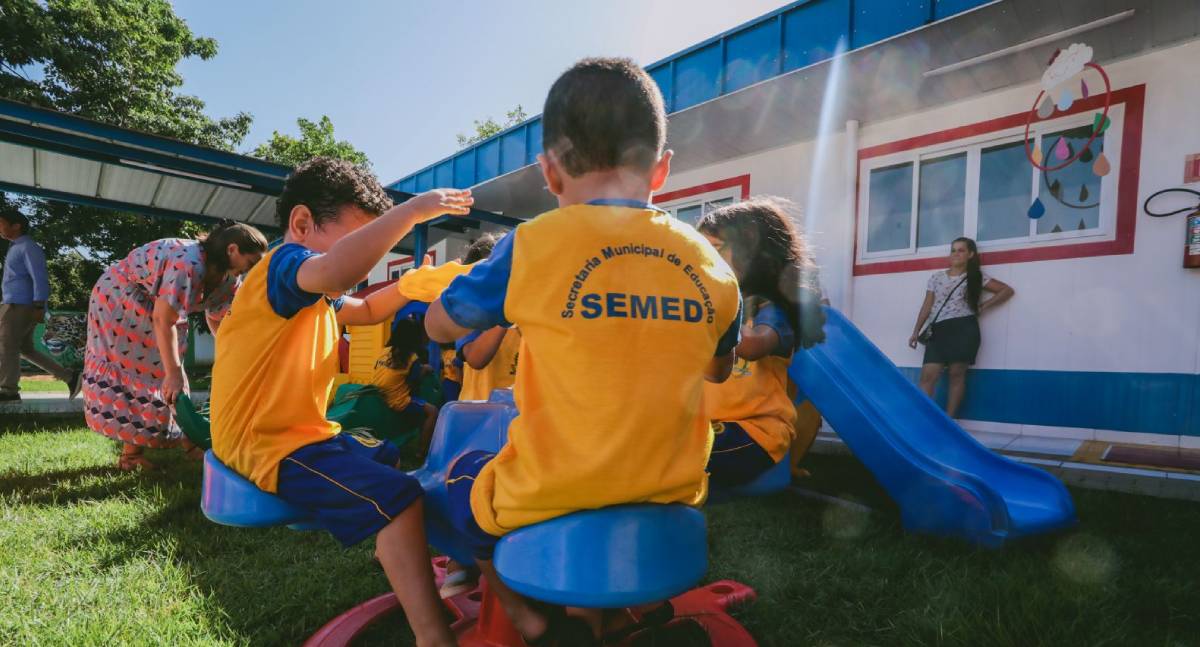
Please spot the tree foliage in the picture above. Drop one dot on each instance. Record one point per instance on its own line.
(316, 139)
(112, 61)
(489, 127)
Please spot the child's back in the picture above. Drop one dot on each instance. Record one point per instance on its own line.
(622, 310)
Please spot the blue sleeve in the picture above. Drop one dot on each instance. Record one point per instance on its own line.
(732, 335)
(283, 292)
(35, 261)
(476, 299)
(773, 317)
(462, 342)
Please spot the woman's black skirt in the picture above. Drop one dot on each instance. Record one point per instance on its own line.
(955, 341)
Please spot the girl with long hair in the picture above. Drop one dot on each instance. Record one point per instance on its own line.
(753, 415)
(955, 299)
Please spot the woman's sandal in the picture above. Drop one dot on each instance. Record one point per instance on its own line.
(134, 461)
(192, 451)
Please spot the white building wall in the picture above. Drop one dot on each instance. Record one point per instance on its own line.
(1136, 313)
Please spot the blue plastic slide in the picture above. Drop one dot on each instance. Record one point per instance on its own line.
(943, 480)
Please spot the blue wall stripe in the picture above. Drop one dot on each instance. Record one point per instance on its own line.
(796, 35)
(1155, 403)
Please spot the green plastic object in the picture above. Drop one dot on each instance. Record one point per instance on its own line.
(357, 406)
(354, 406)
(193, 421)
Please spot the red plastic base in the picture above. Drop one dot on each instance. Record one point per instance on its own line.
(480, 621)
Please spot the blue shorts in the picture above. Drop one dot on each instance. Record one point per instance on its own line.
(413, 415)
(458, 494)
(736, 459)
(350, 483)
(450, 390)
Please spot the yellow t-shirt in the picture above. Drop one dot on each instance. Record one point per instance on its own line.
(427, 282)
(621, 308)
(451, 370)
(274, 368)
(756, 394)
(500, 373)
(393, 382)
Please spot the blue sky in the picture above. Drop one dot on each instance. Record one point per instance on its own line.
(400, 79)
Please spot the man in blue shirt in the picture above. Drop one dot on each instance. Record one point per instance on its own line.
(26, 288)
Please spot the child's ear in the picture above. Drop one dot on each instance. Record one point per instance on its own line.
(660, 171)
(551, 173)
(300, 223)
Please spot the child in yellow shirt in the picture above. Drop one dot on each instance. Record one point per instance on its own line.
(603, 283)
(489, 356)
(753, 414)
(278, 357)
(398, 373)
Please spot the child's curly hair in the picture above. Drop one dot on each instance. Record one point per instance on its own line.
(325, 185)
(772, 261)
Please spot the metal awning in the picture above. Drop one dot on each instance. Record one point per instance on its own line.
(54, 155)
(57, 156)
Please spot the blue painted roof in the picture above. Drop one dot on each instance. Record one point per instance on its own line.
(794, 36)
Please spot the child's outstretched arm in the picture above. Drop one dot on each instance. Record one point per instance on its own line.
(376, 307)
(352, 257)
(480, 351)
(440, 327)
(474, 301)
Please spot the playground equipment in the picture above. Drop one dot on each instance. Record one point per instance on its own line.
(944, 481)
(632, 556)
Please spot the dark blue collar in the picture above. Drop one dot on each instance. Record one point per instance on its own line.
(622, 202)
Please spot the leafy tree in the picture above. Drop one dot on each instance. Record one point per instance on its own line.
(113, 61)
(316, 138)
(489, 127)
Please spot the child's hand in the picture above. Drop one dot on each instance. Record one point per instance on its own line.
(431, 204)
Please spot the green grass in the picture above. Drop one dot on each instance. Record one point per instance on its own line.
(91, 556)
(43, 386)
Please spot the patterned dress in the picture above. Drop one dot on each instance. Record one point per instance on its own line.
(122, 371)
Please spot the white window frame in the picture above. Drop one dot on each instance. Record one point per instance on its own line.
(973, 147)
(673, 207)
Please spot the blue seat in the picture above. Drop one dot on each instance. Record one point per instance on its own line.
(461, 427)
(608, 558)
(229, 499)
(776, 479)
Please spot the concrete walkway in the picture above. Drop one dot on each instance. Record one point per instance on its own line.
(55, 403)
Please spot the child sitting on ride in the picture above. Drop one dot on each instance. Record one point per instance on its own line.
(489, 357)
(278, 357)
(600, 286)
(752, 412)
(398, 374)
(452, 372)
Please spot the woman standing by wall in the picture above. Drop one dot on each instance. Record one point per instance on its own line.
(952, 338)
(137, 325)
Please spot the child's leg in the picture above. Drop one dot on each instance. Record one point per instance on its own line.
(353, 490)
(403, 552)
(427, 426)
(736, 459)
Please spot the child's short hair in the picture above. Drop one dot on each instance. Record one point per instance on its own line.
(480, 249)
(325, 185)
(602, 114)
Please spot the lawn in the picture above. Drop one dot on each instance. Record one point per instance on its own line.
(91, 556)
(42, 384)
